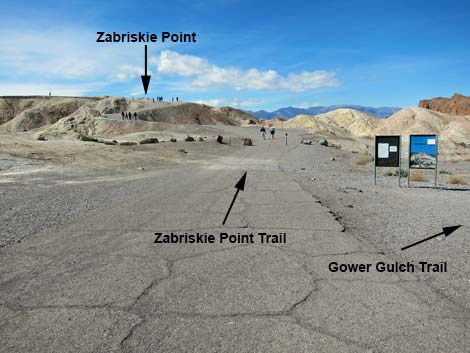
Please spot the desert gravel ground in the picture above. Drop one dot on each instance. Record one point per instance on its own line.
(80, 271)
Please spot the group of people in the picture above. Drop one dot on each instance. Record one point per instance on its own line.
(160, 99)
(128, 115)
(272, 131)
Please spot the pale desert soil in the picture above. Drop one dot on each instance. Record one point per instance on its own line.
(45, 185)
(392, 217)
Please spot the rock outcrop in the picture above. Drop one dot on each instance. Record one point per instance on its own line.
(27, 113)
(457, 105)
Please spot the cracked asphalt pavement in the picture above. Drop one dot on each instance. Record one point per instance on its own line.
(101, 284)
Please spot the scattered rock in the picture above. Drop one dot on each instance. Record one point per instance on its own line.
(350, 206)
(323, 142)
(42, 138)
(306, 142)
(247, 142)
(220, 139)
(128, 143)
(333, 159)
(189, 138)
(173, 140)
(107, 142)
(87, 138)
(200, 139)
(148, 140)
(182, 151)
(302, 168)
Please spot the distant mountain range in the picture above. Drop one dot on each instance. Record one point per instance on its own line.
(290, 112)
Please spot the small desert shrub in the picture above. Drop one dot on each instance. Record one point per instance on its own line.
(456, 180)
(403, 173)
(448, 172)
(362, 160)
(417, 176)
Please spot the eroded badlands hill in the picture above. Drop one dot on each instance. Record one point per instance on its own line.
(27, 113)
(343, 124)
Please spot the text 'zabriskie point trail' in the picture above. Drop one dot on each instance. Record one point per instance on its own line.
(170, 185)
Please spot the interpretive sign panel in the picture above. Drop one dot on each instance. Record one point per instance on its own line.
(423, 151)
(387, 151)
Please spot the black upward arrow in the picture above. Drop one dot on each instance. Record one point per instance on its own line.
(446, 230)
(145, 78)
(240, 186)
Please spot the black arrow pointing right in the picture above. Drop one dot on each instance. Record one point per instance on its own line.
(446, 230)
(145, 78)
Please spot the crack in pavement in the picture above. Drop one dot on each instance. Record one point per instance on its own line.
(130, 333)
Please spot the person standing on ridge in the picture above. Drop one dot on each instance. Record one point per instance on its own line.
(135, 115)
(122, 114)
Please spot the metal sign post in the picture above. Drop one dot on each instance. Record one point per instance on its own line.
(409, 159)
(399, 161)
(435, 169)
(375, 160)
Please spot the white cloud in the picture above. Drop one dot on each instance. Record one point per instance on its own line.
(206, 75)
(305, 105)
(66, 54)
(170, 62)
(215, 102)
(234, 103)
(126, 73)
(41, 89)
(48, 53)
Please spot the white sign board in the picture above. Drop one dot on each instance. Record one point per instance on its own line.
(383, 150)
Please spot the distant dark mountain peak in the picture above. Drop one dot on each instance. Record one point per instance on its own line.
(290, 112)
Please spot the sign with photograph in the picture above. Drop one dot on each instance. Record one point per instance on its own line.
(387, 151)
(423, 151)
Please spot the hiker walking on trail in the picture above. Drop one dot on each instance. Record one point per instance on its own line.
(272, 130)
(135, 115)
(262, 131)
(122, 114)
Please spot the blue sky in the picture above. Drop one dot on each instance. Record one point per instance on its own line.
(249, 54)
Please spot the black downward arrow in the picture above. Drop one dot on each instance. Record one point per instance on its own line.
(446, 230)
(145, 78)
(240, 186)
